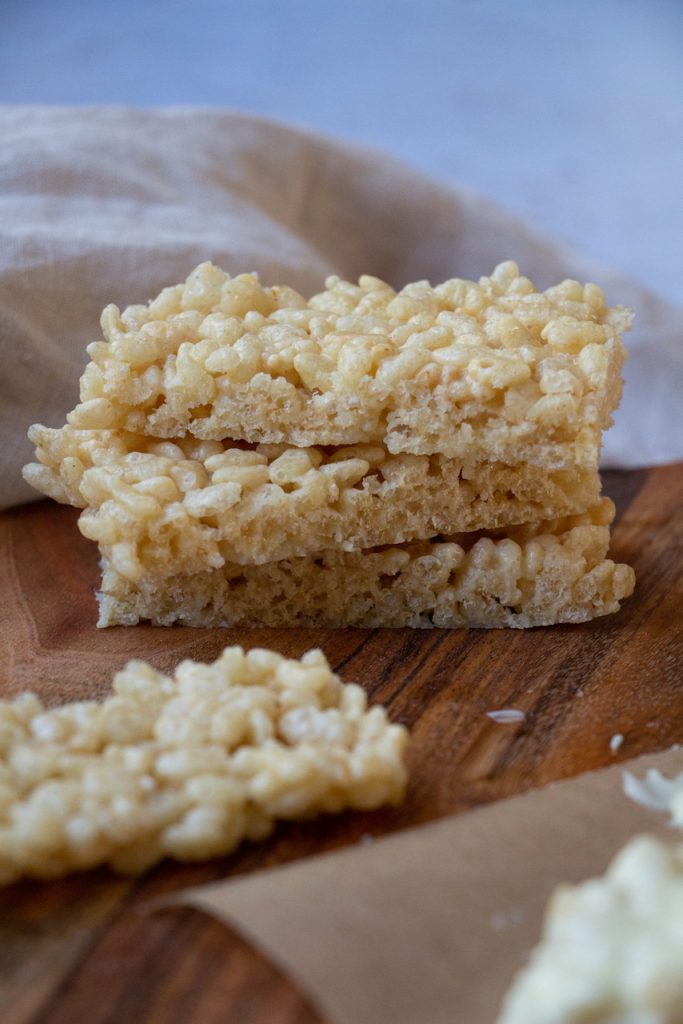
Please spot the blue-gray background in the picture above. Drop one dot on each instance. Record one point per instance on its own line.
(570, 112)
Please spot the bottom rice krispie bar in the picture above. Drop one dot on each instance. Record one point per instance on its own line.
(533, 575)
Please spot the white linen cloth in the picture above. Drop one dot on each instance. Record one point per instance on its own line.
(102, 205)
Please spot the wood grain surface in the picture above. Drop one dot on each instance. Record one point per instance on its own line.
(88, 949)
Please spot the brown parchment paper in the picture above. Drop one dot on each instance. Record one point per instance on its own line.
(430, 925)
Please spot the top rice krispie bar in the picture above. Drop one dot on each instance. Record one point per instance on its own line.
(492, 369)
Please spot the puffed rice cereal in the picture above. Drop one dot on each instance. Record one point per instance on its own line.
(189, 765)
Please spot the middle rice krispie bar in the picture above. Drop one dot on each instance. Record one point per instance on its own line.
(200, 504)
(533, 575)
(493, 369)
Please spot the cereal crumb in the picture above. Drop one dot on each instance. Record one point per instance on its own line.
(504, 716)
(616, 742)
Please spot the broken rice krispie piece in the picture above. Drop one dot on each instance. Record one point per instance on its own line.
(201, 504)
(612, 948)
(189, 765)
(492, 369)
(534, 575)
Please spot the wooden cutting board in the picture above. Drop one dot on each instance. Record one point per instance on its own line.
(86, 949)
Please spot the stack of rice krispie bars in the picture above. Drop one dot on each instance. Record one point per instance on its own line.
(367, 457)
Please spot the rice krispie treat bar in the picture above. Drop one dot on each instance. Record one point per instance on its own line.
(492, 369)
(189, 765)
(612, 948)
(200, 504)
(523, 576)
